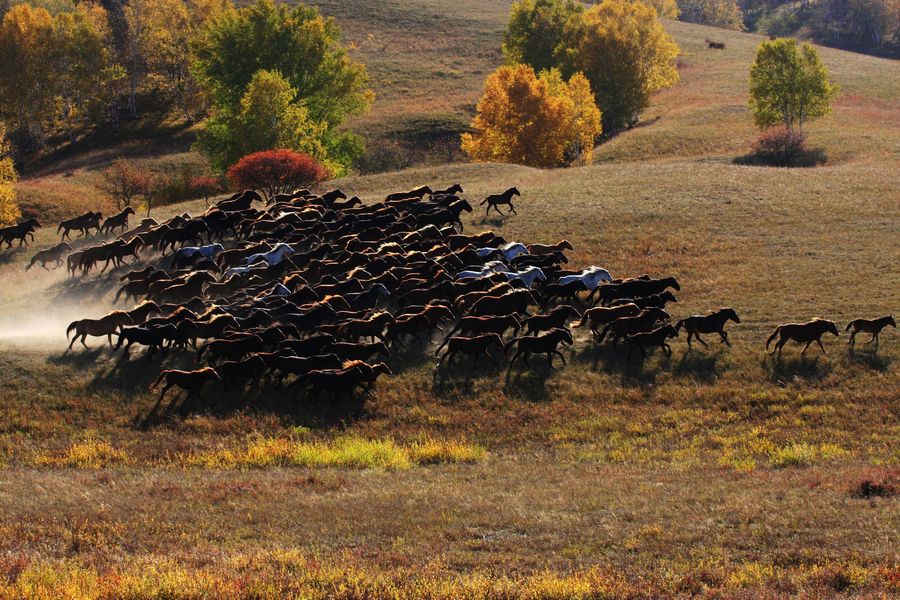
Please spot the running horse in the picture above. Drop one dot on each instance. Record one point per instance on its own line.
(802, 332)
(495, 200)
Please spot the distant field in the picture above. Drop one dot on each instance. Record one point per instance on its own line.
(718, 472)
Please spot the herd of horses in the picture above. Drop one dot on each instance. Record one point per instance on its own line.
(323, 289)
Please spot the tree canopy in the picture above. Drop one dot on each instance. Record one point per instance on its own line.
(9, 207)
(788, 84)
(530, 120)
(626, 54)
(536, 32)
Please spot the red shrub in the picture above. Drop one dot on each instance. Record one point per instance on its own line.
(780, 146)
(276, 171)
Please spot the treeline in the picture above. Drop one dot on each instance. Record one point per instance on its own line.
(267, 75)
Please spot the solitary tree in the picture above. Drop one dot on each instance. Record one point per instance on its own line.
(531, 120)
(9, 208)
(123, 182)
(788, 85)
(276, 171)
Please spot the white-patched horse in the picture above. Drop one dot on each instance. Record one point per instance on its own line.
(273, 256)
(509, 251)
(486, 270)
(204, 251)
(261, 266)
(528, 276)
(591, 277)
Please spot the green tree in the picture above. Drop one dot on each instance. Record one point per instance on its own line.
(626, 55)
(536, 32)
(788, 84)
(9, 207)
(268, 117)
(301, 45)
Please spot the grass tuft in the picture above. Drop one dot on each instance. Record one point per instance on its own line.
(350, 452)
(89, 454)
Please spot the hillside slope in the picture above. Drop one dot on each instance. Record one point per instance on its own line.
(428, 60)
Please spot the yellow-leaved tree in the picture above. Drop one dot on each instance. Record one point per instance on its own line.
(9, 208)
(626, 54)
(530, 120)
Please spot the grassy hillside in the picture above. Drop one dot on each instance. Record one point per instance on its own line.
(718, 472)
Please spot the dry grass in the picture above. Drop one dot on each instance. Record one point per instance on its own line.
(718, 472)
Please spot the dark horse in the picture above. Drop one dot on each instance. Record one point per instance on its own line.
(495, 200)
(802, 332)
(871, 326)
(20, 232)
(714, 322)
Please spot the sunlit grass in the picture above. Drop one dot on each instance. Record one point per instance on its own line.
(88, 454)
(345, 452)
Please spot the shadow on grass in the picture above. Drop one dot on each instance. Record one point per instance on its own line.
(699, 365)
(458, 377)
(806, 159)
(870, 359)
(614, 360)
(8, 255)
(782, 370)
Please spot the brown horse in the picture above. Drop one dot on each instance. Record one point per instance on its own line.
(473, 346)
(870, 326)
(53, 254)
(21, 231)
(190, 381)
(545, 343)
(107, 326)
(714, 322)
(117, 221)
(372, 327)
(510, 302)
(802, 332)
(549, 248)
(551, 320)
(495, 200)
(601, 315)
(468, 326)
(637, 324)
(651, 339)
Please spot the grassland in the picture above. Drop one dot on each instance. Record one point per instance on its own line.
(717, 472)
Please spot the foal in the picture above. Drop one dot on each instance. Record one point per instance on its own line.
(191, 381)
(871, 326)
(714, 322)
(476, 346)
(651, 339)
(802, 332)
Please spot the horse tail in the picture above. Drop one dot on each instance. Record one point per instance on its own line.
(483, 202)
(773, 336)
(850, 324)
(679, 325)
(158, 380)
(60, 228)
(32, 263)
(71, 327)
(584, 319)
(510, 344)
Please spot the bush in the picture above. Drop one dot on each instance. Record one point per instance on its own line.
(206, 186)
(276, 171)
(780, 146)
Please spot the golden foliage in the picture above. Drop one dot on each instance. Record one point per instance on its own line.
(531, 120)
(9, 207)
(626, 54)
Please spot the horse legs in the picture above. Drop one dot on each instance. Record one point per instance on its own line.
(73, 340)
(603, 334)
(486, 212)
(667, 349)
(497, 208)
(164, 390)
(697, 335)
(550, 358)
(560, 355)
(819, 342)
(806, 347)
(725, 338)
(512, 208)
(852, 339)
(690, 335)
(84, 337)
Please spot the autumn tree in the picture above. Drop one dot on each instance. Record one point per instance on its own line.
(788, 84)
(301, 45)
(716, 13)
(626, 54)
(268, 117)
(530, 120)
(123, 182)
(666, 9)
(277, 171)
(26, 95)
(536, 32)
(9, 207)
